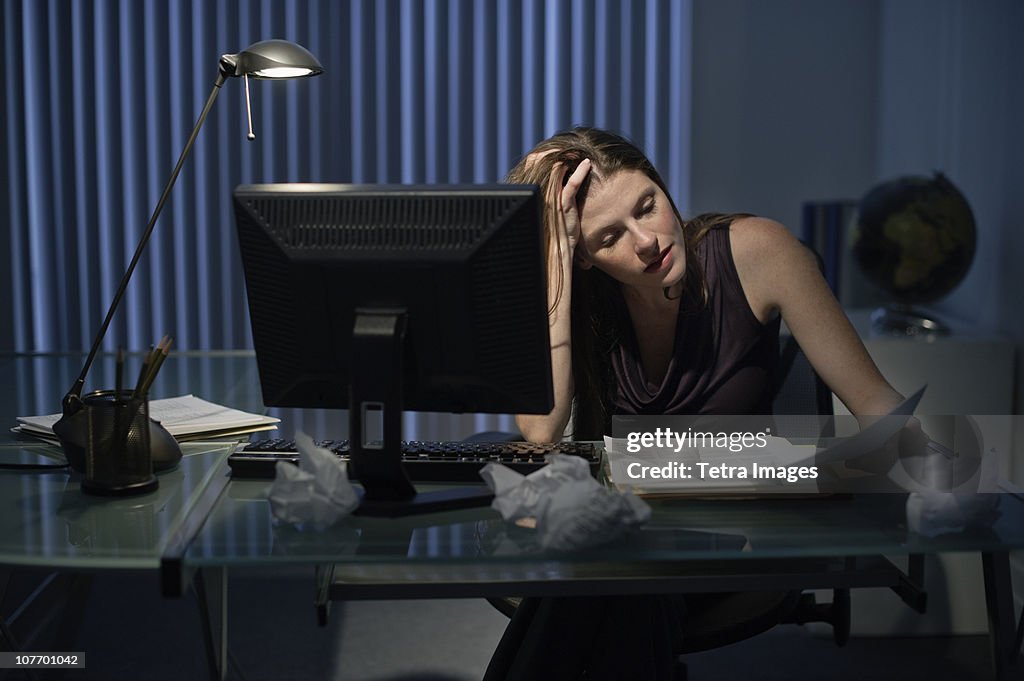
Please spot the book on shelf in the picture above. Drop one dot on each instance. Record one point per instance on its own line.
(186, 417)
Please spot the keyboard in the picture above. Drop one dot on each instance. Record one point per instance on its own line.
(423, 461)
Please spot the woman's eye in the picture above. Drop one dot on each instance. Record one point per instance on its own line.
(647, 207)
(609, 239)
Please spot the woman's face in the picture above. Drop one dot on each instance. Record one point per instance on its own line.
(629, 231)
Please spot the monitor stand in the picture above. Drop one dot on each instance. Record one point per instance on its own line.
(375, 393)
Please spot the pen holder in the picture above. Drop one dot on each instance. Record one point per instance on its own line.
(72, 430)
(118, 455)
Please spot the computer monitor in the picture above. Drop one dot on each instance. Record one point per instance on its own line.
(379, 298)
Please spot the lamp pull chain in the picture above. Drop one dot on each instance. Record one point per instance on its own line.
(248, 107)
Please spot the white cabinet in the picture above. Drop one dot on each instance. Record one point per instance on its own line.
(967, 372)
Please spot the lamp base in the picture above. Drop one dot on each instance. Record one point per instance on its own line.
(114, 490)
(72, 430)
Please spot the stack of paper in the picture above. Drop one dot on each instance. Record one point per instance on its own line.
(186, 418)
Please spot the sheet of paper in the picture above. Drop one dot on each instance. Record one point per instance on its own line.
(186, 415)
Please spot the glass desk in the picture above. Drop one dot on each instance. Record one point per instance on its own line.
(46, 521)
(200, 521)
(49, 528)
(687, 546)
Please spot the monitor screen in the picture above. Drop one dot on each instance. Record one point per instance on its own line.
(454, 275)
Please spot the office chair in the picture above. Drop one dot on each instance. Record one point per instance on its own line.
(722, 619)
(719, 619)
(803, 398)
(799, 391)
(716, 620)
(800, 394)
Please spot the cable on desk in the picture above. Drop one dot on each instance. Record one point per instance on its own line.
(32, 466)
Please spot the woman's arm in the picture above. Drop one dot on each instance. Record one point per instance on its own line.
(563, 224)
(780, 275)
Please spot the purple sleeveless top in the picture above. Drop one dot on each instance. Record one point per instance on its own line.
(723, 360)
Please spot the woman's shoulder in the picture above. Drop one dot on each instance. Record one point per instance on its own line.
(759, 243)
(765, 254)
(756, 230)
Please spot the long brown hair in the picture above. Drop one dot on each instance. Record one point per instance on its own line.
(599, 315)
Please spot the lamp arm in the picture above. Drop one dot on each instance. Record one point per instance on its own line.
(76, 389)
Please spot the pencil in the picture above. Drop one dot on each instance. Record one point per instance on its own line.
(160, 354)
(143, 372)
(119, 375)
(118, 386)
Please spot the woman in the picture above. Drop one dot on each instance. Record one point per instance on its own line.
(687, 311)
(653, 314)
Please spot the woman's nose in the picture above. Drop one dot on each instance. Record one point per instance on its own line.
(645, 243)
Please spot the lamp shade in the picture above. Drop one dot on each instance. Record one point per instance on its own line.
(271, 59)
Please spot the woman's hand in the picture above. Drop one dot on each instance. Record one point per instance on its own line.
(560, 194)
(563, 207)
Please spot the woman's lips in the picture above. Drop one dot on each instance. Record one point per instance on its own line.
(664, 259)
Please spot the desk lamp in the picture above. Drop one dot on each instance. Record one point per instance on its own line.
(267, 59)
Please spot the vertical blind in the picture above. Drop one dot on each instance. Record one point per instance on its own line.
(101, 95)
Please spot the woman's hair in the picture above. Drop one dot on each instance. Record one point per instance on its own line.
(599, 315)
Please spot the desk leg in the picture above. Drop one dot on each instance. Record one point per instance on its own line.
(999, 601)
(211, 585)
(49, 616)
(324, 578)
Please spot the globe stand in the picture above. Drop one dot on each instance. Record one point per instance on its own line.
(902, 320)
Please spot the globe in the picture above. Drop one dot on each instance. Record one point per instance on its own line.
(915, 238)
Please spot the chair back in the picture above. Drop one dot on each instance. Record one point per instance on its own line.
(800, 394)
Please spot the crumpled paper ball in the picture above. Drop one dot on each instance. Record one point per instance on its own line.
(571, 508)
(973, 505)
(317, 491)
(931, 513)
